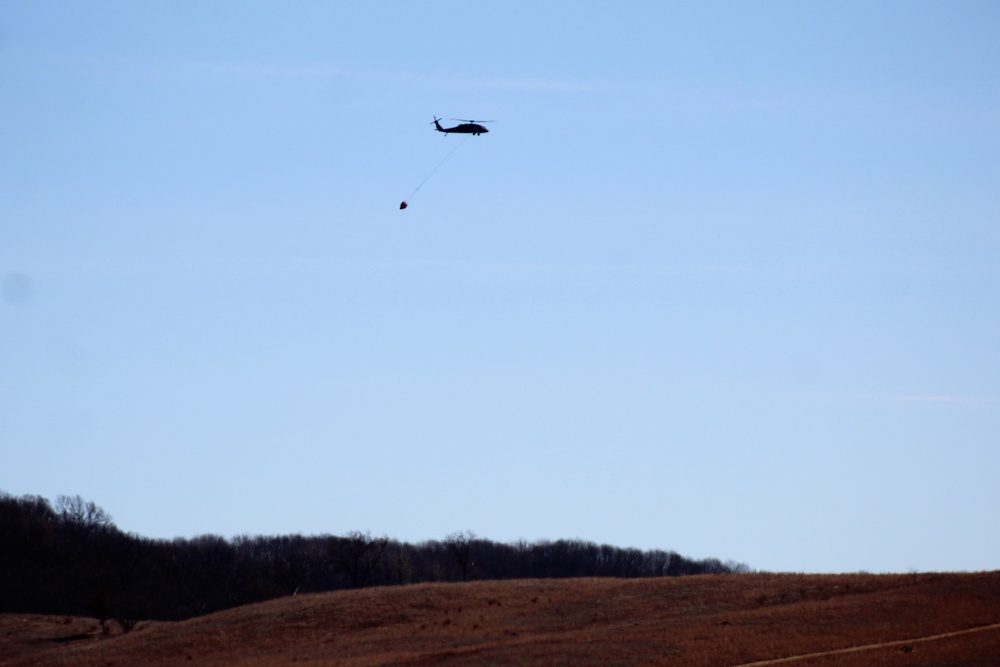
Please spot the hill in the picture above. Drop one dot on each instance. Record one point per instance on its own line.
(708, 620)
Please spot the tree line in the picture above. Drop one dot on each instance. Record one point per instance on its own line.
(70, 558)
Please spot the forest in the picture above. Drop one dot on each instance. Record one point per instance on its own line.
(70, 558)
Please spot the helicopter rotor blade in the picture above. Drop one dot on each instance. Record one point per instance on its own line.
(466, 120)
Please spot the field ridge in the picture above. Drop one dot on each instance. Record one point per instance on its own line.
(745, 620)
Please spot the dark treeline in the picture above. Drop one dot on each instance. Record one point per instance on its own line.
(71, 559)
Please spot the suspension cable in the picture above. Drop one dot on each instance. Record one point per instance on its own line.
(438, 166)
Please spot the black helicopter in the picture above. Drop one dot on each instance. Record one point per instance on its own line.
(467, 126)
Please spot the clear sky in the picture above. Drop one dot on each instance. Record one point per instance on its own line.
(723, 278)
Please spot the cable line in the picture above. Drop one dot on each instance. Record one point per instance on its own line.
(443, 160)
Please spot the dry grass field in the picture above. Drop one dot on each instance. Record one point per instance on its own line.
(712, 620)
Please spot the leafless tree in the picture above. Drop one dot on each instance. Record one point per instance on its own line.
(83, 514)
(356, 555)
(460, 545)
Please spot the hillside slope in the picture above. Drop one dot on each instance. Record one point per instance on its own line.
(710, 620)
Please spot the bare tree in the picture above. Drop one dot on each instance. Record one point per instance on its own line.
(356, 555)
(83, 514)
(460, 545)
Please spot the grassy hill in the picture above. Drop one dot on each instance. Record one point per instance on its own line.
(710, 620)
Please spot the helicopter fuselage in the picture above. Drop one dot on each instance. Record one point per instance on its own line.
(464, 128)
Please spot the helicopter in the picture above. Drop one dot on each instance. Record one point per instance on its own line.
(467, 126)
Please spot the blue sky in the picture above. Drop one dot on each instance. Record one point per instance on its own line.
(723, 278)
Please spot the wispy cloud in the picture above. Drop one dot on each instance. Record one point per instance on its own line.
(329, 70)
(563, 86)
(920, 399)
(272, 71)
(938, 398)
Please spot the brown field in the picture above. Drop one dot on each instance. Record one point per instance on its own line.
(712, 620)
